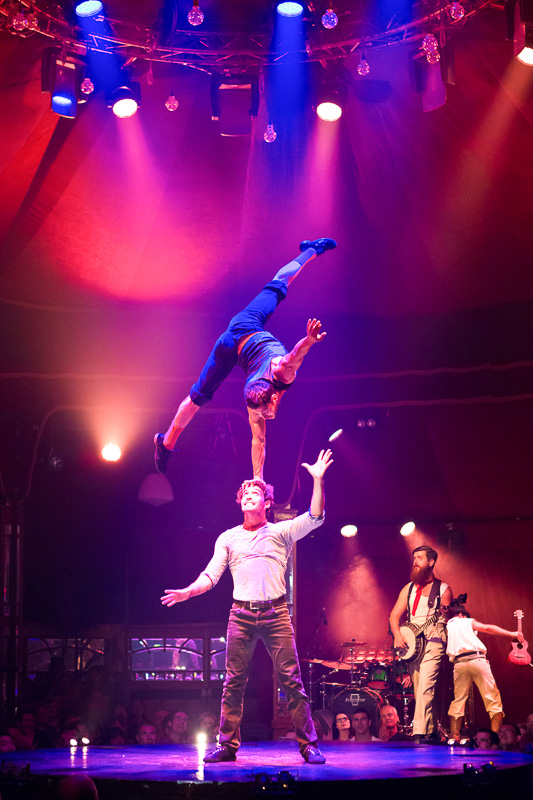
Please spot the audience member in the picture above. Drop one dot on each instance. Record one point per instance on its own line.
(527, 736)
(112, 737)
(178, 729)
(323, 721)
(361, 725)
(389, 728)
(342, 730)
(23, 732)
(486, 739)
(159, 718)
(509, 737)
(136, 717)
(7, 744)
(207, 724)
(77, 787)
(146, 733)
(45, 734)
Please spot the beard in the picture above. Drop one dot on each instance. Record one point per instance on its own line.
(420, 575)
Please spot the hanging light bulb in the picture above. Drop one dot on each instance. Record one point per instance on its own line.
(32, 23)
(429, 43)
(172, 102)
(433, 56)
(195, 15)
(87, 86)
(329, 19)
(270, 134)
(20, 21)
(457, 11)
(363, 68)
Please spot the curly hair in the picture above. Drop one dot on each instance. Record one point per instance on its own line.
(259, 393)
(266, 488)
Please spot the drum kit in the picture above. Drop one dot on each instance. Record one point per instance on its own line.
(368, 677)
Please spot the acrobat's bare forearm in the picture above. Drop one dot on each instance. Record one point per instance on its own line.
(201, 584)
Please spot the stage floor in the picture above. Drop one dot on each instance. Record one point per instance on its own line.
(378, 770)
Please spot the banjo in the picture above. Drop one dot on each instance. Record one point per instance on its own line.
(413, 633)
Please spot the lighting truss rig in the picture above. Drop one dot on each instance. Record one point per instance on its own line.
(220, 50)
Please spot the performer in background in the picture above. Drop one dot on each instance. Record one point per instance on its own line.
(421, 598)
(257, 553)
(470, 665)
(270, 370)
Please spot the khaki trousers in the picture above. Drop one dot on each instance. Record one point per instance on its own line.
(424, 674)
(477, 671)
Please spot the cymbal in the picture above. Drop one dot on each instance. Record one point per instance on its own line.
(313, 660)
(336, 665)
(352, 644)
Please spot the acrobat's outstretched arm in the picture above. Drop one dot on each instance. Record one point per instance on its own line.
(291, 362)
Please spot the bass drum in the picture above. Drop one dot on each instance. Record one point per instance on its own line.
(352, 698)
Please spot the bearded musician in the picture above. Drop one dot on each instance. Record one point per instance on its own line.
(420, 598)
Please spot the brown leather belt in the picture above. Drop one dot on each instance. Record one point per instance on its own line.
(260, 605)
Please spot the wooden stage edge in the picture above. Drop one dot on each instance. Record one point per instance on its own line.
(375, 771)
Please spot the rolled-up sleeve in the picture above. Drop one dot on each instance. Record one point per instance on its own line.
(303, 524)
(219, 562)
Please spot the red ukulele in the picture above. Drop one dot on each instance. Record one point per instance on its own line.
(519, 654)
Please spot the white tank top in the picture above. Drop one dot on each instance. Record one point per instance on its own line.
(462, 637)
(422, 609)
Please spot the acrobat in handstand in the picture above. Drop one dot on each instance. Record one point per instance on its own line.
(270, 370)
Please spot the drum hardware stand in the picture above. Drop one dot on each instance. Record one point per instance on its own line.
(314, 635)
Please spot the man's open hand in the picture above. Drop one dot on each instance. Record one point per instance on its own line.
(314, 330)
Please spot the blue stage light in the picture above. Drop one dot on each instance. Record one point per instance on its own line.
(64, 105)
(290, 9)
(90, 8)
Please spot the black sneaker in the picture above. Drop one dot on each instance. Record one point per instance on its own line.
(320, 245)
(161, 454)
(312, 755)
(220, 753)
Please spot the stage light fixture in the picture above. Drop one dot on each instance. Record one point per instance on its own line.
(332, 95)
(408, 528)
(125, 100)
(270, 134)
(525, 56)
(111, 452)
(290, 9)
(234, 101)
(329, 18)
(62, 76)
(349, 531)
(90, 8)
(196, 15)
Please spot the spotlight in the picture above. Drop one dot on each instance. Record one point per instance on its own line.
(270, 134)
(407, 528)
(62, 76)
(290, 9)
(335, 435)
(73, 742)
(201, 738)
(195, 16)
(90, 8)
(329, 18)
(111, 452)
(349, 531)
(525, 56)
(125, 100)
(85, 741)
(361, 423)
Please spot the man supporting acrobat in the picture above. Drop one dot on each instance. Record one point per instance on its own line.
(257, 552)
(269, 368)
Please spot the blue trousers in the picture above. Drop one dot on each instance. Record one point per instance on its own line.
(224, 354)
(274, 627)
